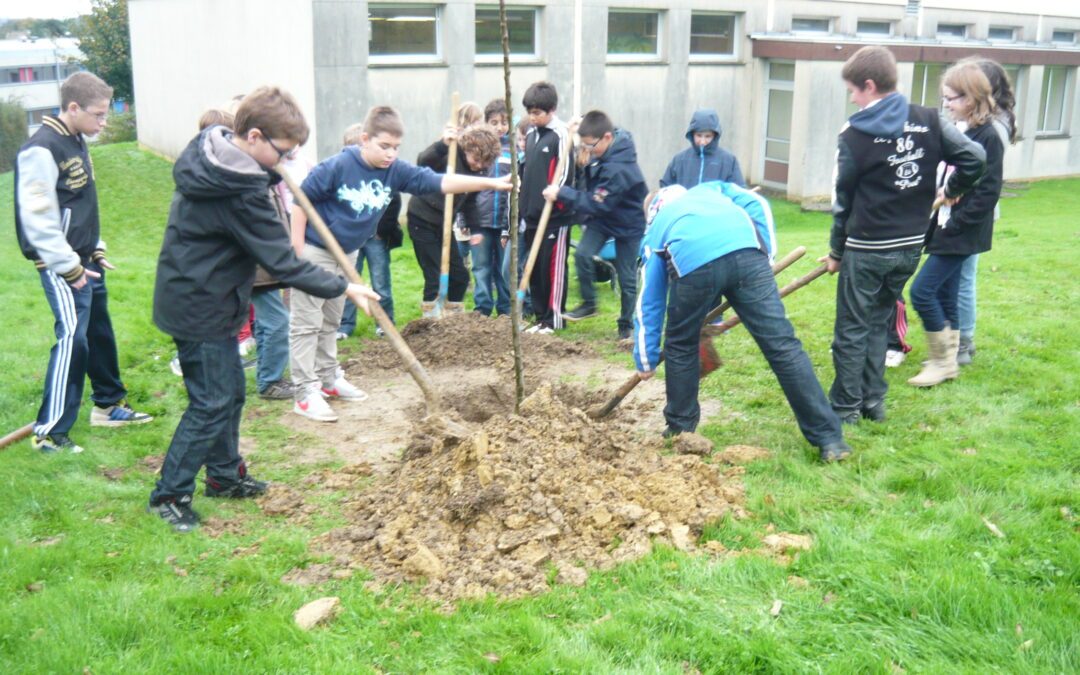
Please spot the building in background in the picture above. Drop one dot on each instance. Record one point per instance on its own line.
(31, 71)
(771, 68)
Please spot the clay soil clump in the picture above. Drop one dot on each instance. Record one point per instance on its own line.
(526, 499)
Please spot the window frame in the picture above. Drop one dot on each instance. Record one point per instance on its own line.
(1013, 30)
(830, 25)
(965, 26)
(489, 58)
(1054, 40)
(438, 58)
(736, 24)
(891, 25)
(927, 66)
(1044, 108)
(642, 57)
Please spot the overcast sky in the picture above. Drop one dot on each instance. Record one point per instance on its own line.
(43, 9)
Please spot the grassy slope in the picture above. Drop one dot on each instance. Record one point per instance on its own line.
(911, 575)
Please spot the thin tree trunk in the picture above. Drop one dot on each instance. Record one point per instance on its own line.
(516, 300)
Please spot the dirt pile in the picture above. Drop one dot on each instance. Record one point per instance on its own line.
(526, 499)
(466, 340)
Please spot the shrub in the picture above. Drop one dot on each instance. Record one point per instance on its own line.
(13, 131)
(120, 129)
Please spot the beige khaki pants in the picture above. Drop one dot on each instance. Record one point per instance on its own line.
(313, 325)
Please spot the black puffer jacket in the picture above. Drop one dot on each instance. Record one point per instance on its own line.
(221, 223)
(970, 227)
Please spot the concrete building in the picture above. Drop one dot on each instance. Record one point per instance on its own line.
(31, 71)
(770, 67)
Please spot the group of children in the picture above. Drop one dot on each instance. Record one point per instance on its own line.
(235, 237)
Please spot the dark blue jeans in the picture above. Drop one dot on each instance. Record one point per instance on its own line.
(271, 331)
(866, 293)
(209, 430)
(378, 261)
(85, 346)
(746, 280)
(935, 293)
(487, 269)
(626, 252)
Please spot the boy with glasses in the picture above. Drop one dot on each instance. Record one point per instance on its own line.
(56, 220)
(221, 223)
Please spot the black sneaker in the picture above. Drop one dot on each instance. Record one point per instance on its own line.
(246, 487)
(177, 512)
(626, 334)
(55, 442)
(282, 390)
(850, 418)
(875, 413)
(835, 452)
(580, 312)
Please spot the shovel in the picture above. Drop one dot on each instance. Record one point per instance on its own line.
(448, 217)
(408, 359)
(708, 332)
(17, 435)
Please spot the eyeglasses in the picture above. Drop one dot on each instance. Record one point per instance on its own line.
(100, 117)
(950, 99)
(282, 154)
(592, 146)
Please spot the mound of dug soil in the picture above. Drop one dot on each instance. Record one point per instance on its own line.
(524, 499)
(466, 340)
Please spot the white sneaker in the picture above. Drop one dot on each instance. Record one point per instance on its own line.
(344, 390)
(893, 358)
(341, 336)
(247, 346)
(314, 406)
(174, 366)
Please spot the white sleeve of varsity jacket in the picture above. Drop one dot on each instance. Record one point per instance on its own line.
(39, 210)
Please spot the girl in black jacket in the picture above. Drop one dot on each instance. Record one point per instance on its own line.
(960, 229)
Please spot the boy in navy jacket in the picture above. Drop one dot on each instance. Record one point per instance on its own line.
(607, 203)
(704, 160)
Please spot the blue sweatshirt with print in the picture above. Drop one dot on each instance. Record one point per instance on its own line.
(351, 196)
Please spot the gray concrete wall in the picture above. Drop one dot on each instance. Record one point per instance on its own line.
(190, 55)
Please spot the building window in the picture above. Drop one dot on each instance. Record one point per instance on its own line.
(404, 32)
(712, 34)
(808, 25)
(952, 30)
(779, 98)
(1001, 33)
(69, 69)
(633, 33)
(25, 74)
(926, 84)
(874, 28)
(35, 117)
(520, 25)
(1064, 37)
(1052, 106)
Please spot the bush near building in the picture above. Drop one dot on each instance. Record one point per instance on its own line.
(13, 130)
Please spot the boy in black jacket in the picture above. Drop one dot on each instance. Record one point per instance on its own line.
(221, 223)
(56, 220)
(477, 149)
(887, 157)
(608, 205)
(548, 140)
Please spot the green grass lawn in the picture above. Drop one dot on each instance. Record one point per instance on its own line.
(904, 575)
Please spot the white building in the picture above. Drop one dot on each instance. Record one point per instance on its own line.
(771, 68)
(32, 70)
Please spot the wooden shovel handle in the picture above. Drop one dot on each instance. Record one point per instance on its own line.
(541, 227)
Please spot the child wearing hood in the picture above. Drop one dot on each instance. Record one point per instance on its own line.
(886, 160)
(704, 160)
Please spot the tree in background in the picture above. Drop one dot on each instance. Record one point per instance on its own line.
(41, 28)
(13, 131)
(106, 42)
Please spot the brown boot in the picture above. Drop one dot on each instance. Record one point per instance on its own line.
(454, 308)
(941, 365)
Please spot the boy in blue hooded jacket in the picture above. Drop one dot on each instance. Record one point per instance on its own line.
(704, 160)
(717, 239)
